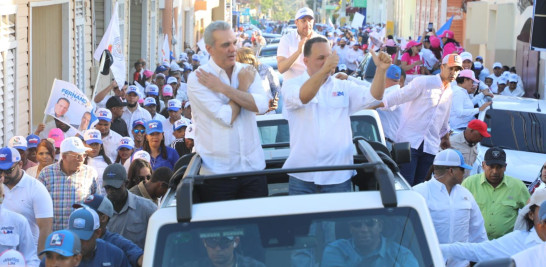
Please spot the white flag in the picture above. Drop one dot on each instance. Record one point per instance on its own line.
(166, 51)
(111, 40)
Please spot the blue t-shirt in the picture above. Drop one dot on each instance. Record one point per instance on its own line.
(106, 254)
(159, 161)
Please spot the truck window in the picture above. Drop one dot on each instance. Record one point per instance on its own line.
(372, 237)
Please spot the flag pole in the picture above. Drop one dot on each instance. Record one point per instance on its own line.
(101, 66)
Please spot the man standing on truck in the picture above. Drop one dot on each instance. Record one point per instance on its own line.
(225, 96)
(316, 103)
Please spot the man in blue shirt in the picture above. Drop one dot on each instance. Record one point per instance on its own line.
(367, 247)
(84, 222)
(105, 210)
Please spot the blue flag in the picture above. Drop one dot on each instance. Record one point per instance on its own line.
(445, 27)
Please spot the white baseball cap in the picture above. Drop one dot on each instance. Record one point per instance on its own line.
(172, 80)
(502, 80)
(92, 136)
(179, 124)
(12, 258)
(126, 142)
(167, 90)
(513, 78)
(174, 105)
(466, 56)
(152, 89)
(497, 65)
(149, 101)
(73, 144)
(104, 114)
(450, 157)
(18, 142)
(187, 104)
(304, 11)
(141, 154)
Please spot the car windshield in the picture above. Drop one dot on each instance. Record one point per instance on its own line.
(373, 237)
(268, 52)
(516, 130)
(276, 131)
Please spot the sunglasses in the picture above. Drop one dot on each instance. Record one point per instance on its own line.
(10, 170)
(222, 242)
(367, 222)
(139, 131)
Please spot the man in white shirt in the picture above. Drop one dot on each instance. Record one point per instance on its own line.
(174, 107)
(462, 107)
(150, 105)
(353, 57)
(133, 111)
(225, 97)
(497, 74)
(27, 196)
(15, 230)
(314, 103)
(110, 139)
(390, 117)
(454, 211)
(425, 117)
(290, 50)
(526, 234)
(513, 87)
(535, 256)
(342, 50)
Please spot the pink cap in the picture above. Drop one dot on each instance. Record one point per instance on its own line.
(434, 41)
(148, 73)
(390, 43)
(411, 44)
(447, 34)
(57, 135)
(167, 90)
(468, 74)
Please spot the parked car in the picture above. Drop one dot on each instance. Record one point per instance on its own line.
(270, 37)
(518, 125)
(269, 50)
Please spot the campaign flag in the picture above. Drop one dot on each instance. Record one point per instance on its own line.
(445, 27)
(111, 40)
(69, 104)
(165, 51)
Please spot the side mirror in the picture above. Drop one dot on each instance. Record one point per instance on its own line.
(401, 152)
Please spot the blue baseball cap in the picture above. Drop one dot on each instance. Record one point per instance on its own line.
(149, 101)
(154, 126)
(104, 114)
(8, 156)
(97, 203)
(140, 122)
(152, 89)
(452, 158)
(133, 89)
(394, 72)
(92, 136)
(33, 141)
(83, 222)
(160, 68)
(63, 242)
(126, 142)
(179, 124)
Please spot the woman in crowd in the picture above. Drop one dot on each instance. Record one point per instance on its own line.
(450, 45)
(154, 144)
(45, 155)
(96, 156)
(411, 61)
(139, 170)
(125, 150)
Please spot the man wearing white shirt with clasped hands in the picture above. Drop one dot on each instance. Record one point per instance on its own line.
(318, 108)
(225, 96)
(454, 211)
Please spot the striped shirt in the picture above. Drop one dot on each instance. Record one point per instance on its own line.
(66, 190)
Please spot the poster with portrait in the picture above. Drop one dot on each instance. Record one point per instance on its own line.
(69, 104)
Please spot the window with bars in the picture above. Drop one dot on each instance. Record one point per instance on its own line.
(8, 52)
(79, 44)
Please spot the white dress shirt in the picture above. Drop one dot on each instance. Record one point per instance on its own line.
(390, 117)
(425, 116)
(456, 215)
(353, 58)
(342, 53)
(502, 247)
(535, 256)
(288, 45)
(462, 107)
(16, 234)
(129, 117)
(99, 165)
(517, 92)
(29, 198)
(494, 86)
(320, 131)
(223, 146)
(111, 143)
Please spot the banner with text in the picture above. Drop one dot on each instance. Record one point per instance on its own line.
(69, 104)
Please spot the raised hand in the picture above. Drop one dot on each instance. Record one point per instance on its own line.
(382, 60)
(246, 77)
(331, 62)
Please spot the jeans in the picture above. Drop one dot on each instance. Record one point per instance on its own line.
(415, 171)
(299, 187)
(233, 188)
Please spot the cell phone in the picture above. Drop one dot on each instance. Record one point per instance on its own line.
(430, 26)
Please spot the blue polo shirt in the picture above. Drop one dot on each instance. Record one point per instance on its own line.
(160, 161)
